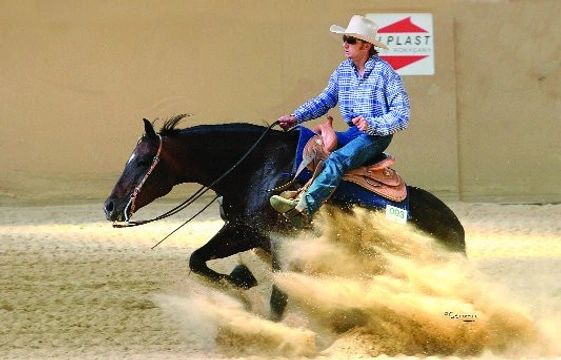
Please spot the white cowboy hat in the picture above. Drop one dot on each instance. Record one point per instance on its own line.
(360, 28)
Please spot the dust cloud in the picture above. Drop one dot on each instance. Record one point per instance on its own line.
(363, 286)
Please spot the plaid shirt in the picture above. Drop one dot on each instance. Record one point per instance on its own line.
(379, 96)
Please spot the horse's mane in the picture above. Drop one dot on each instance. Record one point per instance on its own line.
(169, 128)
(170, 125)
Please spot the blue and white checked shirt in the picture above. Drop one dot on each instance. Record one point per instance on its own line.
(379, 96)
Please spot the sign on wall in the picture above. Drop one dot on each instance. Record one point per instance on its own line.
(410, 39)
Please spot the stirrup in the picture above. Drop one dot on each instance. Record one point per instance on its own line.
(298, 218)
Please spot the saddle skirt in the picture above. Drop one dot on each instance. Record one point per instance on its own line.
(378, 177)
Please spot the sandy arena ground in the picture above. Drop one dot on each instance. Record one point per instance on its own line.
(74, 287)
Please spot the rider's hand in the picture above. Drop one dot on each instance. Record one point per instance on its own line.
(361, 123)
(287, 121)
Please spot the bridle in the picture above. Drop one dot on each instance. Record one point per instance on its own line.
(131, 206)
(132, 201)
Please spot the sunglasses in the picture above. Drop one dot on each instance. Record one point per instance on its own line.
(349, 39)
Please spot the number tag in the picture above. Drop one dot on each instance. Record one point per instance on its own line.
(396, 214)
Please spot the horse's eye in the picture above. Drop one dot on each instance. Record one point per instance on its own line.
(142, 163)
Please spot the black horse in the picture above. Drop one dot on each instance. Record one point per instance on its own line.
(203, 154)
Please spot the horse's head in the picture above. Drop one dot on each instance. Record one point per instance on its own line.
(143, 180)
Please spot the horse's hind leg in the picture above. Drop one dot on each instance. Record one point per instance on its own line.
(279, 299)
(228, 241)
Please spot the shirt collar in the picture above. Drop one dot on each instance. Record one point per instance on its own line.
(368, 67)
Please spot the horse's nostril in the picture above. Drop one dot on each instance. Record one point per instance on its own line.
(109, 207)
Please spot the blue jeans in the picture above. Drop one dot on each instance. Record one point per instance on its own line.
(355, 148)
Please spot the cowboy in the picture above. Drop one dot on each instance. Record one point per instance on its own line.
(372, 101)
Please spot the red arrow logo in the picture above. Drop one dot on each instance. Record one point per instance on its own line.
(402, 26)
(398, 62)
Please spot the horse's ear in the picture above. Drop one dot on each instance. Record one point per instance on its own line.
(149, 129)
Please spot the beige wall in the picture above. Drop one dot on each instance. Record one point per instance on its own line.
(78, 76)
(509, 100)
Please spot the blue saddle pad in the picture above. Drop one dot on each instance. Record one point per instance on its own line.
(347, 192)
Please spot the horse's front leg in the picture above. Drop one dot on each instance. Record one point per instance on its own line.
(230, 240)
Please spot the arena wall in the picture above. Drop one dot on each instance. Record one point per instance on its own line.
(79, 76)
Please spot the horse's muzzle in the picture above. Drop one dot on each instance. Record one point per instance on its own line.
(111, 211)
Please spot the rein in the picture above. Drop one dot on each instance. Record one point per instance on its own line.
(131, 205)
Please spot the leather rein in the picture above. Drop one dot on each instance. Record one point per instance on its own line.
(132, 201)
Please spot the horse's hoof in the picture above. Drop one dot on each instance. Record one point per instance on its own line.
(242, 277)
